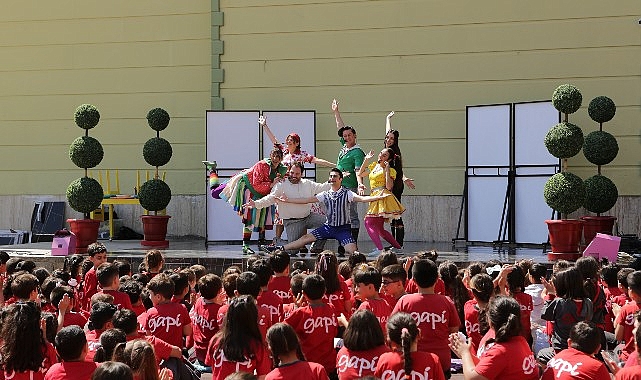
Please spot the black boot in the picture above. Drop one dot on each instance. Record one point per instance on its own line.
(400, 234)
(355, 236)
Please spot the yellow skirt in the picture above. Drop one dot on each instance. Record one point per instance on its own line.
(388, 207)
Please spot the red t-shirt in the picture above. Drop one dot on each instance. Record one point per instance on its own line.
(281, 285)
(629, 373)
(472, 327)
(391, 300)
(525, 301)
(380, 308)
(425, 365)
(89, 288)
(412, 287)
(626, 319)
(571, 364)
(298, 370)
(288, 308)
(71, 371)
(510, 360)
(264, 318)
(316, 327)
(93, 342)
(73, 318)
(49, 360)
(435, 316)
(166, 321)
(204, 324)
(273, 303)
(221, 367)
(356, 364)
(138, 309)
(121, 299)
(338, 298)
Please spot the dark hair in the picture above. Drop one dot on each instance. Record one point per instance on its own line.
(23, 285)
(314, 286)
(26, 265)
(589, 269)
(73, 264)
(474, 268)
(101, 313)
(296, 284)
(22, 339)
(538, 271)
(363, 332)
(454, 287)
(327, 266)
(61, 275)
(609, 275)
(297, 164)
(209, 286)
(141, 278)
(199, 270)
(41, 274)
(337, 171)
(585, 337)
(385, 259)
(402, 330)
(516, 280)
(229, 284)
(51, 324)
(125, 320)
(424, 273)
(4, 257)
(240, 375)
(622, 277)
(239, 331)
(482, 288)
(345, 128)
(124, 267)
(344, 269)
(96, 248)
(569, 283)
(153, 259)
(248, 283)
(109, 339)
(139, 355)
(299, 265)
(279, 261)
(395, 272)
(181, 282)
(47, 287)
(356, 258)
(397, 163)
(163, 285)
(58, 293)
(282, 339)
(113, 371)
(276, 152)
(263, 269)
(106, 274)
(504, 314)
(70, 341)
(634, 282)
(133, 289)
(12, 263)
(368, 276)
(560, 265)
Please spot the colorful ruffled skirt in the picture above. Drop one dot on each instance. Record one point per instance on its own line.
(236, 193)
(388, 207)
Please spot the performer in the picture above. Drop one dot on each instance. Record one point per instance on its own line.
(253, 183)
(381, 181)
(391, 141)
(350, 159)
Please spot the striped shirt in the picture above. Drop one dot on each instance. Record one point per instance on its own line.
(337, 206)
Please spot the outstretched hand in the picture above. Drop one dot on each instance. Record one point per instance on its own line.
(334, 105)
(409, 182)
(389, 115)
(262, 121)
(369, 155)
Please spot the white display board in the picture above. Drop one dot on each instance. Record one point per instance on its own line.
(531, 210)
(485, 206)
(532, 121)
(488, 135)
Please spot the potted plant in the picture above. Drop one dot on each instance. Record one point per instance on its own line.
(564, 192)
(155, 194)
(599, 148)
(85, 194)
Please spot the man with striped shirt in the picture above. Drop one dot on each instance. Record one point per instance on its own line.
(337, 201)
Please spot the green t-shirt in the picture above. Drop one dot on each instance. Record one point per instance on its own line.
(350, 160)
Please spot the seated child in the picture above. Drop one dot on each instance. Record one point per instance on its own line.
(204, 316)
(71, 346)
(366, 283)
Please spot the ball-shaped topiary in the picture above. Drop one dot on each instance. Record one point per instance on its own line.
(564, 140)
(602, 109)
(158, 119)
(87, 116)
(564, 192)
(600, 194)
(84, 194)
(600, 147)
(154, 195)
(86, 152)
(567, 98)
(157, 151)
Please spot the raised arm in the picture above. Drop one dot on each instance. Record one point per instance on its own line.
(388, 122)
(369, 198)
(262, 121)
(362, 171)
(320, 161)
(337, 115)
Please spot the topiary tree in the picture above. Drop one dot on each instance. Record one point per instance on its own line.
(564, 192)
(155, 194)
(600, 148)
(85, 194)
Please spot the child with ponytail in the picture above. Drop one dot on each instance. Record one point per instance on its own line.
(475, 310)
(289, 361)
(337, 293)
(405, 360)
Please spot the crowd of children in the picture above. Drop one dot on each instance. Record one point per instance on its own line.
(389, 319)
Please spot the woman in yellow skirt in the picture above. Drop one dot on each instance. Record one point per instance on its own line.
(381, 181)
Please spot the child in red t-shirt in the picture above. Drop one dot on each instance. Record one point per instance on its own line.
(393, 279)
(516, 285)
(63, 300)
(367, 280)
(71, 346)
(279, 282)
(405, 361)
(289, 362)
(577, 361)
(267, 298)
(435, 314)
(167, 320)
(296, 291)
(624, 322)
(316, 324)
(363, 344)
(97, 255)
(482, 288)
(109, 280)
(204, 316)
(336, 292)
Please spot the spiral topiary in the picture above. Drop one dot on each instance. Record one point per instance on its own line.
(564, 140)
(600, 194)
(600, 147)
(87, 116)
(157, 151)
(84, 194)
(154, 195)
(602, 109)
(567, 98)
(564, 192)
(86, 152)
(158, 119)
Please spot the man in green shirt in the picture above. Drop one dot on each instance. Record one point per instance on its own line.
(350, 159)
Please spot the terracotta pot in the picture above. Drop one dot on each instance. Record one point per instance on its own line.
(565, 237)
(86, 231)
(155, 230)
(594, 224)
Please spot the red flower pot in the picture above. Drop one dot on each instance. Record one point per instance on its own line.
(594, 224)
(155, 230)
(86, 231)
(565, 237)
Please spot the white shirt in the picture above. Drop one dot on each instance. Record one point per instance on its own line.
(304, 189)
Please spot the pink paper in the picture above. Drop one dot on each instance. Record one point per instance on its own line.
(603, 246)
